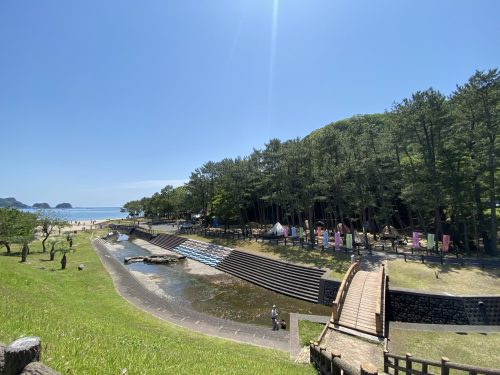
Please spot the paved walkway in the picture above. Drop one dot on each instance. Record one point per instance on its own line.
(443, 327)
(138, 295)
(355, 350)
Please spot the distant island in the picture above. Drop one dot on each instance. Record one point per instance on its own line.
(12, 203)
(64, 205)
(41, 205)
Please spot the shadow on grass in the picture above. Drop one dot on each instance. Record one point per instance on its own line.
(456, 269)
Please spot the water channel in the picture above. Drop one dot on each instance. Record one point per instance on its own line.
(205, 289)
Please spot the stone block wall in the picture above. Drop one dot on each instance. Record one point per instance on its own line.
(412, 306)
(328, 289)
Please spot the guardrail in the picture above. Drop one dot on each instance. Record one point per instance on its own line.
(392, 362)
(379, 309)
(339, 300)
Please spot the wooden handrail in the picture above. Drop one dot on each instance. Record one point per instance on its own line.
(339, 300)
(444, 364)
(379, 314)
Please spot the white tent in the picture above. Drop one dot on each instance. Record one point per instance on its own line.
(277, 230)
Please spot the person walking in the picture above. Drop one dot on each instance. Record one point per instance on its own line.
(274, 317)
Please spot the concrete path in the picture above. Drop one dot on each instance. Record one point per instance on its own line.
(443, 327)
(138, 295)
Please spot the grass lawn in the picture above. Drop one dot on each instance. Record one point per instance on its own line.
(309, 331)
(451, 279)
(466, 348)
(87, 328)
(338, 263)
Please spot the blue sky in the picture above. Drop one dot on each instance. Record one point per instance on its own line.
(102, 102)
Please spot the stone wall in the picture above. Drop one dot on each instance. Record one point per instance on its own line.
(412, 306)
(328, 289)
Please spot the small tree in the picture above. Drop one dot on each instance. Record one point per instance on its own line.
(8, 220)
(24, 232)
(49, 221)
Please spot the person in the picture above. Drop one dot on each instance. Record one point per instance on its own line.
(274, 317)
(283, 324)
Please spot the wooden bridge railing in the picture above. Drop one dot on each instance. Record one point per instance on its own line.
(331, 363)
(396, 363)
(339, 300)
(379, 309)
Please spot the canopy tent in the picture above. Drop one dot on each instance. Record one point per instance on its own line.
(389, 232)
(276, 231)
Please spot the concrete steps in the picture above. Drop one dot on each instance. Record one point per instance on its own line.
(167, 241)
(285, 278)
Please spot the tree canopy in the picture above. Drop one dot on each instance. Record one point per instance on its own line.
(430, 163)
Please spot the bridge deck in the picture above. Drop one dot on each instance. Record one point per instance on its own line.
(358, 309)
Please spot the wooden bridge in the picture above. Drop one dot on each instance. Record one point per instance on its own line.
(360, 301)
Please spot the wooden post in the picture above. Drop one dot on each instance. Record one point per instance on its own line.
(368, 368)
(444, 368)
(322, 357)
(335, 369)
(20, 353)
(408, 363)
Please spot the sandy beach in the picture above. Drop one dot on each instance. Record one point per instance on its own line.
(83, 225)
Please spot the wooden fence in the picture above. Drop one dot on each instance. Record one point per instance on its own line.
(408, 365)
(331, 363)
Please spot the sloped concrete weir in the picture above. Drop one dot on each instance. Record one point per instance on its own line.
(282, 277)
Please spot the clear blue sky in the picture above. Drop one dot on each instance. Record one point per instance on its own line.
(102, 102)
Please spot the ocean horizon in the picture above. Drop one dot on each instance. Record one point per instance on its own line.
(84, 213)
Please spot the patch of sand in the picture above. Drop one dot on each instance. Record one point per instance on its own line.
(151, 281)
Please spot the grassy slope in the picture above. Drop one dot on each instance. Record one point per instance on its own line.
(451, 279)
(87, 328)
(472, 348)
(309, 331)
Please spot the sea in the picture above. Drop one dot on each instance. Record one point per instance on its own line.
(84, 213)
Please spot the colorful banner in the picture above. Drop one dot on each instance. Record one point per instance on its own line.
(301, 232)
(446, 242)
(325, 238)
(294, 232)
(285, 233)
(337, 241)
(430, 241)
(318, 232)
(416, 240)
(348, 240)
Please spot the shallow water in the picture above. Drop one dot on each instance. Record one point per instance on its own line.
(219, 295)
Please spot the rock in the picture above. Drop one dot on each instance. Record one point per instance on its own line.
(20, 353)
(81, 267)
(38, 368)
(64, 205)
(41, 205)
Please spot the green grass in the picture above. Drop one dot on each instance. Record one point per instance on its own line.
(338, 263)
(87, 328)
(467, 348)
(309, 331)
(451, 279)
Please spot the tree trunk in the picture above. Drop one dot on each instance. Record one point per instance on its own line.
(24, 252)
(43, 242)
(20, 353)
(63, 262)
